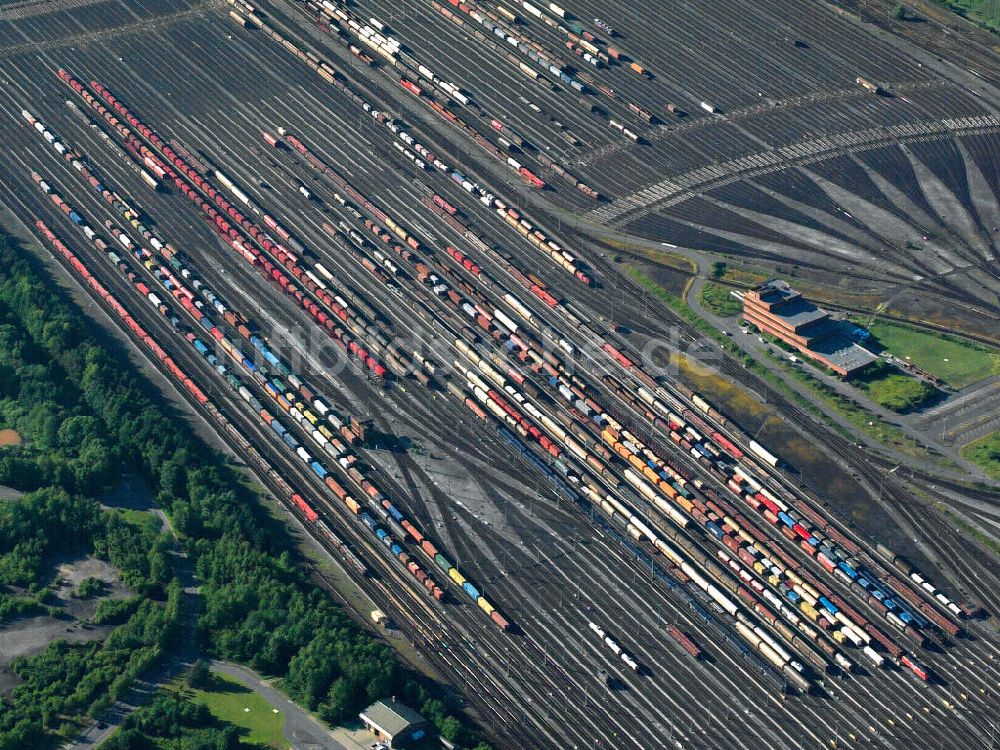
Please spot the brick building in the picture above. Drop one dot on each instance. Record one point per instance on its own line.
(777, 309)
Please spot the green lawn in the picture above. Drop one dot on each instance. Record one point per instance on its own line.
(135, 517)
(899, 393)
(716, 298)
(228, 698)
(985, 13)
(985, 453)
(893, 389)
(957, 362)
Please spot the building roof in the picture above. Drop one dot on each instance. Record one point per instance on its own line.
(812, 325)
(779, 300)
(775, 291)
(798, 313)
(391, 717)
(843, 352)
(820, 329)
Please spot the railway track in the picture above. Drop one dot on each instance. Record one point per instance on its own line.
(979, 338)
(390, 588)
(674, 190)
(875, 475)
(549, 660)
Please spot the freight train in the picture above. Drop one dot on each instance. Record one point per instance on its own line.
(582, 440)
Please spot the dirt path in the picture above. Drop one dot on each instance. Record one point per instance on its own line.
(177, 662)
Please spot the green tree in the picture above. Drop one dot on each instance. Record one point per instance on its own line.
(340, 702)
(450, 728)
(75, 430)
(200, 676)
(83, 412)
(90, 587)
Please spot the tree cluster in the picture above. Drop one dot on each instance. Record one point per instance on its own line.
(173, 723)
(259, 607)
(67, 680)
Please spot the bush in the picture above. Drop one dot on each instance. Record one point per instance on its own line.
(115, 611)
(259, 608)
(717, 299)
(16, 606)
(200, 676)
(186, 725)
(90, 587)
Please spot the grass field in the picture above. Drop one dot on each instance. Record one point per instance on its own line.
(135, 517)
(957, 362)
(228, 698)
(985, 13)
(862, 419)
(741, 276)
(893, 389)
(900, 393)
(661, 257)
(985, 453)
(716, 298)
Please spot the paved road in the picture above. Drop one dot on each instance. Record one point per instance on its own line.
(302, 730)
(703, 261)
(751, 344)
(181, 659)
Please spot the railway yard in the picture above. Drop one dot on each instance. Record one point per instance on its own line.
(312, 215)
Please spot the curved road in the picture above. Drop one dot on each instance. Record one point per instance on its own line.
(750, 344)
(302, 730)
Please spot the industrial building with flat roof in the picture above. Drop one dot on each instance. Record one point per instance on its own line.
(775, 308)
(395, 725)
